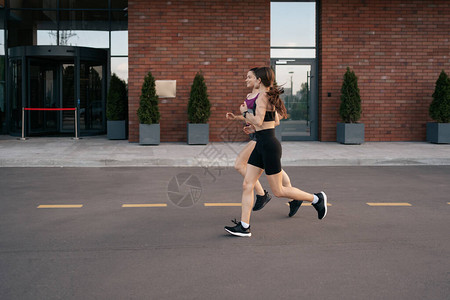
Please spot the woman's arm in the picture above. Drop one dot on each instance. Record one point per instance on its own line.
(277, 119)
(231, 116)
(258, 118)
(249, 129)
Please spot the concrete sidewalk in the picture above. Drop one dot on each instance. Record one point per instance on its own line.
(98, 151)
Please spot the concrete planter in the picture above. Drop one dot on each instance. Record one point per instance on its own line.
(438, 133)
(149, 134)
(350, 133)
(197, 134)
(116, 130)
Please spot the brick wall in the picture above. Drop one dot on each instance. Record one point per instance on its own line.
(176, 39)
(397, 49)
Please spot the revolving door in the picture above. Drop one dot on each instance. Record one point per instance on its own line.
(49, 78)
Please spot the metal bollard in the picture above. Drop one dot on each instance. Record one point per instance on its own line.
(23, 125)
(76, 124)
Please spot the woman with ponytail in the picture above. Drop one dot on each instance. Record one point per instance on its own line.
(266, 155)
(262, 196)
(240, 165)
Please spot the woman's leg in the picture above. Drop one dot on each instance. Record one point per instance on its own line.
(286, 180)
(250, 179)
(294, 205)
(241, 165)
(281, 191)
(320, 202)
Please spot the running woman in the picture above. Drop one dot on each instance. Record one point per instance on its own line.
(266, 155)
(262, 196)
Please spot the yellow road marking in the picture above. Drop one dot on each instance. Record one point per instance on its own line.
(308, 204)
(389, 204)
(222, 204)
(61, 206)
(144, 205)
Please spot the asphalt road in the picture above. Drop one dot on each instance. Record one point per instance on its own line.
(177, 249)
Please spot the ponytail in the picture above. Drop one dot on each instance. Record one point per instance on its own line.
(267, 77)
(274, 98)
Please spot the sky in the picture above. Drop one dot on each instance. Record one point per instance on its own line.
(292, 24)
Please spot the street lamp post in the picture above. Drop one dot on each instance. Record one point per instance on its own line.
(292, 89)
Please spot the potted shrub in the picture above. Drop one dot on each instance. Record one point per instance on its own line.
(199, 110)
(116, 109)
(439, 131)
(350, 131)
(148, 113)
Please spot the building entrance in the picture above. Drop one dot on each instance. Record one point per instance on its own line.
(297, 77)
(57, 77)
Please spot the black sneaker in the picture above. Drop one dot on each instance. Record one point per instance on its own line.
(238, 230)
(261, 201)
(294, 205)
(321, 205)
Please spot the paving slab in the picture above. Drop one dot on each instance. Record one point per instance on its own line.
(98, 151)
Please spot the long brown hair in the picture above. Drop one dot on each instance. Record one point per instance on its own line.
(267, 77)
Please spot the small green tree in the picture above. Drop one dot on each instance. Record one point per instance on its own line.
(350, 109)
(148, 112)
(117, 101)
(199, 107)
(440, 106)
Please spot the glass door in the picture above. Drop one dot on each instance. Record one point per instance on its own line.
(14, 108)
(58, 77)
(67, 117)
(42, 93)
(92, 111)
(296, 76)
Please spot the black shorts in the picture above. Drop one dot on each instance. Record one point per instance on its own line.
(267, 152)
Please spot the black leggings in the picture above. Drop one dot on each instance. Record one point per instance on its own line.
(267, 152)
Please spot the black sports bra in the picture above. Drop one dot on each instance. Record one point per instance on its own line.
(268, 117)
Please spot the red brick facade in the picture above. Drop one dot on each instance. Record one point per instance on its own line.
(176, 39)
(397, 49)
